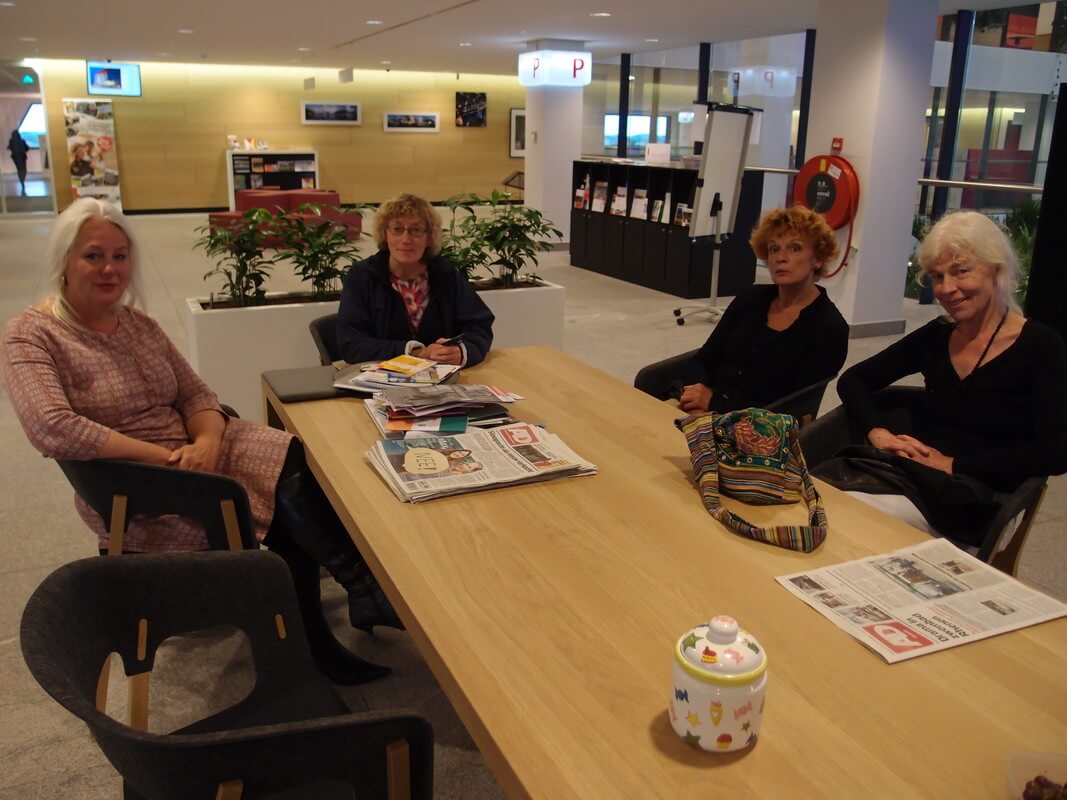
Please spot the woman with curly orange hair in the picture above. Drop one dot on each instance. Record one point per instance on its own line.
(773, 338)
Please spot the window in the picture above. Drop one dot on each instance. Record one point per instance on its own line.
(32, 125)
(638, 127)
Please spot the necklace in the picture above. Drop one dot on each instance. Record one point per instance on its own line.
(989, 344)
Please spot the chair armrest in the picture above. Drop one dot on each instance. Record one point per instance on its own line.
(273, 758)
(806, 401)
(1024, 498)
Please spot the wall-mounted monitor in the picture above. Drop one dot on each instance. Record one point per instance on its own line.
(103, 77)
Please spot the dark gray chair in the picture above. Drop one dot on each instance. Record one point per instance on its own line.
(685, 367)
(292, 736)
(118, 490)
(324, 334)
(824, 437)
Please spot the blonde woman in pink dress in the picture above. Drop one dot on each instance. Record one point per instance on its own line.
(91, 376)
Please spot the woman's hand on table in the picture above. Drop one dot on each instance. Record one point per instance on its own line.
(442, 353)
(695, 399)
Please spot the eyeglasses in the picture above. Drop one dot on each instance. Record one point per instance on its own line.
(415, 231)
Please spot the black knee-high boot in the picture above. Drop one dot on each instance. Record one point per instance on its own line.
(315, 528)
(336, 662)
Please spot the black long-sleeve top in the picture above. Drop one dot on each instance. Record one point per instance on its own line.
(372, 322)
(747, 363)
(1004, 422)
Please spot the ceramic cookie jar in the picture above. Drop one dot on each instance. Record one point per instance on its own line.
(719, 684)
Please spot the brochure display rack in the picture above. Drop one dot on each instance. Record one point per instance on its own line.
(655, 247)
(270, 169)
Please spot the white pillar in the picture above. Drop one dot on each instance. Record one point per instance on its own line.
(553, 143)
(871, 85)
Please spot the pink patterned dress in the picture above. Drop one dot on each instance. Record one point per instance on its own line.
(70, 387)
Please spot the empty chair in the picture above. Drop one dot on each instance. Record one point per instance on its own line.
(324, 334)
(292, 735)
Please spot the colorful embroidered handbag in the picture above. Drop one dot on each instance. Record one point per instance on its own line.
(754, 455)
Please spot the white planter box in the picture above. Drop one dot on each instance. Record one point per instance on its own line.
(531, 315)
(231, 347)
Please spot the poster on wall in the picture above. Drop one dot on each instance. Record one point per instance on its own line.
(470, 109)
(91, 153)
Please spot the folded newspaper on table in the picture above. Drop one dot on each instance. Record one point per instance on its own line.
(921, 599)
(430, 467)
(433, 400)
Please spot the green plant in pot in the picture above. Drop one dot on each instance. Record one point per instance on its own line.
(1021, 227)
(238, 251)
(504, 242)
(318, 248)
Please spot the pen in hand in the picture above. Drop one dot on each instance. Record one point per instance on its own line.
(452, 342)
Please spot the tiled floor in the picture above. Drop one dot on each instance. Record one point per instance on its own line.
(614, 326)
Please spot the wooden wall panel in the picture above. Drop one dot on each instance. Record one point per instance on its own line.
(171, 140)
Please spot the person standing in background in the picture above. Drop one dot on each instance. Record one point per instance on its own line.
(18, 147)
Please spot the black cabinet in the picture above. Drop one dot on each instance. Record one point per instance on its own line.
(644, 246)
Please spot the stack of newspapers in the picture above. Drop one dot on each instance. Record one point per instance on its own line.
(399, 371)
(437, 466)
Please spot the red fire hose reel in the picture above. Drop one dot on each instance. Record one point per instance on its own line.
(829, 186)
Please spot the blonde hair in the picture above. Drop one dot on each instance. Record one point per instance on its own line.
(61, 240)
(801, 221)
(970, 234)
(408, 205)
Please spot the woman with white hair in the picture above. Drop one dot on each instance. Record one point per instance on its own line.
(996, 382)
(91, 376)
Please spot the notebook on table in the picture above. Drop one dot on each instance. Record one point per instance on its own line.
(304, 383)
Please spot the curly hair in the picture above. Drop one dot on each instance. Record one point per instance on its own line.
(801, 221)
(408, 205)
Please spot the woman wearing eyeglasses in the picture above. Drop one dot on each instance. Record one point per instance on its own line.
(407, 299)
(996, 386)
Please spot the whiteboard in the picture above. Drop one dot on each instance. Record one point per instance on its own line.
(722, 163)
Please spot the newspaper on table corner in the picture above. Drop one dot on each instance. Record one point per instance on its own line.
(437, 466)
(921, 599)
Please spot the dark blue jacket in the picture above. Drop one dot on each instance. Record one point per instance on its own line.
(372, 322)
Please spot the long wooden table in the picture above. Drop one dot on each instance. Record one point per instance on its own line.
(548, 614)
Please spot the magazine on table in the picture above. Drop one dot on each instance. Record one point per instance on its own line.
(409, 427)
(367, 377)
(921, 599)
(430, 467)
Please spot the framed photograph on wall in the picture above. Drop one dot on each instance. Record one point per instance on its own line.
(410, 122)
(330, 114)
(517, 133)
(470, 109)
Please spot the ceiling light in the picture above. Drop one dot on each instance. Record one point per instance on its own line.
(7, 4)
(27, 38)
(303, 49)
(185, 30)
(601, 14)
(652, 40)
(162, 55)
(633, 78)
(464, 44)
(374, 22)
(387, 62)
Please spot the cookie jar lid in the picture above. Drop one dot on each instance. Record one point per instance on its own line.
(721, 651)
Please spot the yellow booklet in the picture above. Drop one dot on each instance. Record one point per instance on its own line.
(406, 365)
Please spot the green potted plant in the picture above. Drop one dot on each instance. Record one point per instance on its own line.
(1021, 226)
(238, 249)
(317, 247)
(504, 241)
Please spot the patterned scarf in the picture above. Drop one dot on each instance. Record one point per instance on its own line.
(416, 296)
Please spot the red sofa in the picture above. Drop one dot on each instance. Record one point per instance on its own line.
(290, 200)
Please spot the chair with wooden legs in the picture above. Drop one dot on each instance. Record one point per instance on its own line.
(291, 737)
